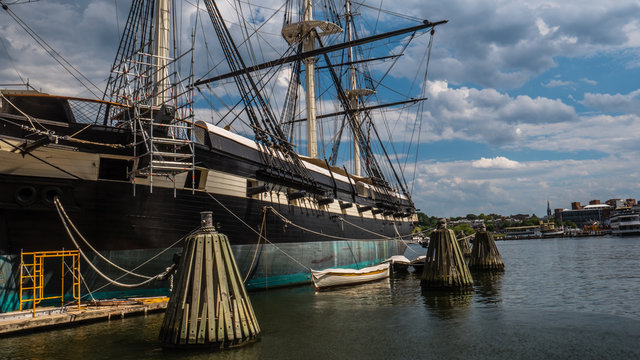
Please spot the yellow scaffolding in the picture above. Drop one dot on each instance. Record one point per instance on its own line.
(32, 275)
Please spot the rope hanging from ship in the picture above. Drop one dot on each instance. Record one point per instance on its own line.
(258, 233)
(66, 221)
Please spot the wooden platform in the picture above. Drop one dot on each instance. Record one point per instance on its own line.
(50, 318)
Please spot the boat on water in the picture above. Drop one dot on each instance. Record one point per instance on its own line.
(625, 221)
(418, 263)
(398, 262)
(135, 164)
(328, 278)
(549, 230)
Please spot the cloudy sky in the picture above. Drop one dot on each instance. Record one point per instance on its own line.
(529, 101)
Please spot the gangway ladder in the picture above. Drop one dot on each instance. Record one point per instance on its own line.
(32, 276)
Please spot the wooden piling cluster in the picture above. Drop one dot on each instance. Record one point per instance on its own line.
(485, 254)
(209, 306)
(445, 266)
(463, 242)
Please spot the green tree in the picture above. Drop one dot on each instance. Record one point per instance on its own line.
(423, 219)
(426, 222)
(464, 228)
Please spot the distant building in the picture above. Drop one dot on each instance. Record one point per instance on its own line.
(615, 203)
(620, 203)
(520, 217)
(586, 215)
(472, 223)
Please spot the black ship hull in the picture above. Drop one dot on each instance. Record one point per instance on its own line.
(138, 226)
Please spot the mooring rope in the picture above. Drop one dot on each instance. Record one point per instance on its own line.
(255, 253)
(254, 230)
(59, 204)
(86, 258)
(367, 230)
(289, 222)
(401, 239)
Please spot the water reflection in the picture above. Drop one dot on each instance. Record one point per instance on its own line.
(377, 293)
(488, 286)
(447, 304)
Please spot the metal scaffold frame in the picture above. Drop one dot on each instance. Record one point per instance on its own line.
(161, 118)
(32, 276)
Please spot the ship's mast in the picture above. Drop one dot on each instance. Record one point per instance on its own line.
(145, 76)
(161, 52)
(354, 93)
(310, 82)
(353, 99)
(306, 31)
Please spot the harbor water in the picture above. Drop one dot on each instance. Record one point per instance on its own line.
(574, 298)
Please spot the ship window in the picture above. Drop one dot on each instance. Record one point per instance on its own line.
(114, 169)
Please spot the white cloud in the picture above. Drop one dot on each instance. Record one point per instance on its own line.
(486, 115)
(616, 103)
(457, 188)
(499, 162)
(504, 44)
(556, 83)
(543, 28)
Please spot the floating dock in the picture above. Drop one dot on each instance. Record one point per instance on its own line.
(17, 322)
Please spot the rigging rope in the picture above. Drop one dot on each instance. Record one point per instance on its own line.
(421, 108)
(52, 52)
(51, 133)
(259, 234)
(24, 114)
(263, 228)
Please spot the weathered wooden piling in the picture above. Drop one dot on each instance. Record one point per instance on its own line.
(485, 254)
(463, 242)
(445, 266)
(209, 306)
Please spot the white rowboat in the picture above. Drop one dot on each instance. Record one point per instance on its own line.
(338, 277)
(398, 262)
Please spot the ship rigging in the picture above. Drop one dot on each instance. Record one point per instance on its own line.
(134, 166)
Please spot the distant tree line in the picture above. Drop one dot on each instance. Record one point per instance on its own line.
(493, 222)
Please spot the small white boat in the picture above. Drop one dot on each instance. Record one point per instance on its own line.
(337, 277)
(398, 262)
(418, 263)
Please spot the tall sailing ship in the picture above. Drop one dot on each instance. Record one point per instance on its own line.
(129, 170)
